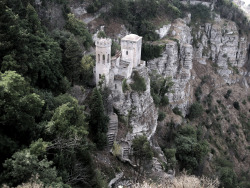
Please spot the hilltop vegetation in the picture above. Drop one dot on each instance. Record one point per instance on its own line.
(49, 138)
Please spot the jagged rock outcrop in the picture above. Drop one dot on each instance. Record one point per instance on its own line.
(221, 43)
(140, 111)
(176, 62)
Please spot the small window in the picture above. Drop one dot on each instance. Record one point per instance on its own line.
(103, 58)
(100, 76)
(108, 58)
(115, 86)
(126, 52)
(98, 58)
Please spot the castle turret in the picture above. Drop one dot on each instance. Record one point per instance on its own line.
(131, 49)
(103, 59)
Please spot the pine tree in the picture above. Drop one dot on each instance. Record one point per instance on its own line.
(98, 124)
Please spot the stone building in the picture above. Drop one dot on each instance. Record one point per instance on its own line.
(103, 59)
(119, 67)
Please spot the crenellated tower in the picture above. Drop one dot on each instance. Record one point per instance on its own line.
(103, 59)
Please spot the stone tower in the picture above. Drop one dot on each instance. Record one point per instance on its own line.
(131, 49)
(103, 59)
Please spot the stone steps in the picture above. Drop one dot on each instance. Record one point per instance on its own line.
(157, 165)
(125, 153)
(111, 139)
(112, 130)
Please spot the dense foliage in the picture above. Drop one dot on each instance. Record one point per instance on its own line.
(98, 120)
(139, 82)
(150, 51)
(159, 88)
(43, 131)
(142, 152)
(189, 151)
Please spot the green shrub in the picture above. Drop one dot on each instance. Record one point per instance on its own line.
(170, 155)
(94, 6)
(177, 111)
(198, 93)
(79, 29)
(139, 82)
(116, 149)
(101, 34)
(161, 116)
(156, 98)
(150, 51)
(236, 105)
(227, 177)
(114, 47)
(189, 151)
(125, 86)
(164, 101)
(173, 11)
(196, 110)
(200, 13)
(227, 95)
(159, 87)
(244, 102)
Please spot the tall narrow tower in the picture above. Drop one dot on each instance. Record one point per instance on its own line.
(103, 59)
(131, 49)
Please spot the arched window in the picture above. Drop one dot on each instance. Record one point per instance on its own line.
(108, 58)
(126, 52)
(103, 58)
(98, 58)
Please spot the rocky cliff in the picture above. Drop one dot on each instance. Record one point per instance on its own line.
(219, 44)
(213, 57)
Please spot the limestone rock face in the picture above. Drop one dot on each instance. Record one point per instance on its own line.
(176, 62)
(218, 43)
(221, 43)
(163, 31)
(139, 109)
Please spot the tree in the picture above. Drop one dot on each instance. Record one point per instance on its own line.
(139, 82)
(33, 21)
(114, 47)
(98, 123)
(196, 110)
(67, 131)
(19, 108)
(228, 177)
(189, 151)
(87, 65)
(68, 122)
(26, 49)
(25, 163)
(79, 29)
(142, 151)
(72, 63)
(170, 155)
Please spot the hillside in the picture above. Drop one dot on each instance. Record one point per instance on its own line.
(109, 93)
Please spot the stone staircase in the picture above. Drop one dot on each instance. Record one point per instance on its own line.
(112, 129)
(157, 166)
(125, 152)
(111, 139)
